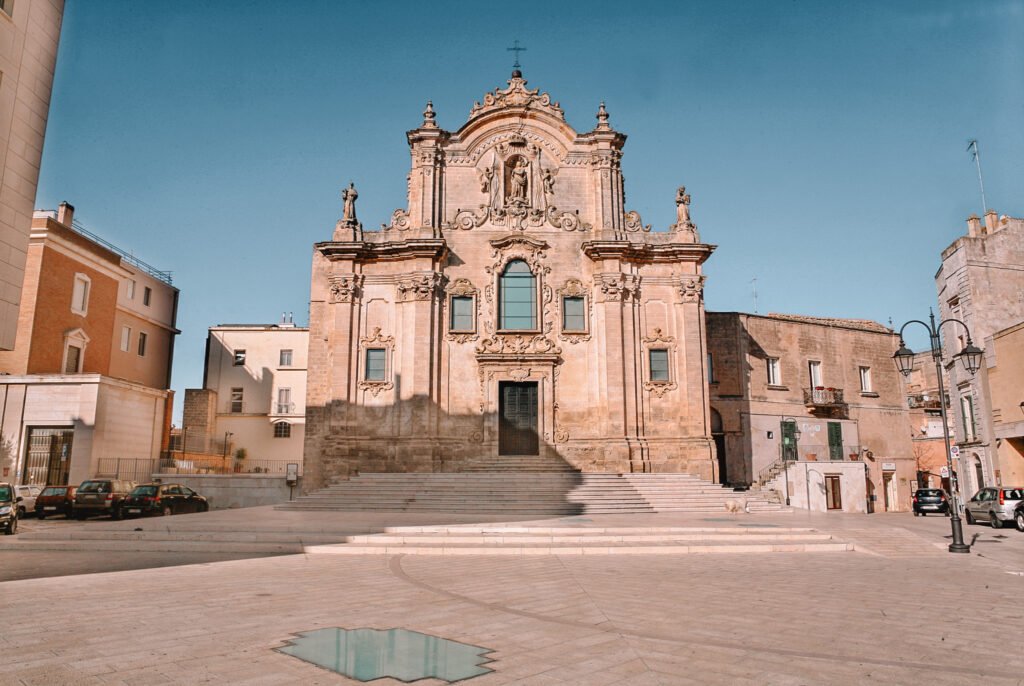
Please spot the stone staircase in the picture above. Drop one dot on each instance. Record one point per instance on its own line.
(583, 540)
(541, 493)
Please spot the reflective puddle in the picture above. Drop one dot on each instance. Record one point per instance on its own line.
(368, 654)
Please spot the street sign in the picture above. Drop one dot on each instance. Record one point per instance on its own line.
(944, 472)
(955, 451)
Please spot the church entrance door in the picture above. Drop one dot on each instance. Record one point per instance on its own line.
(517, 421)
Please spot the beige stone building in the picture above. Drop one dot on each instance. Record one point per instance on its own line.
(980, 282)
(928, 443)
(87, 384)
(1005, 353)
(253, 395)
(515, 311)
(811, 407)
(29, 35)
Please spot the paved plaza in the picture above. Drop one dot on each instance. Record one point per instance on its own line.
(898, 610)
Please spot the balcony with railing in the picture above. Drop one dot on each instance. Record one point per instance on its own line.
(823, 401)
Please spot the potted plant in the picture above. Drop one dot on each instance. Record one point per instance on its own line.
(240, 456)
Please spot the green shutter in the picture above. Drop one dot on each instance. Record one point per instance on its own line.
(789, 447)
(835, 441)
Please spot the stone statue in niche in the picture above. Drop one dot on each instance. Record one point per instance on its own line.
(349, 195)
(519, 182)
(548, 178)
(486, 178)
(682, 207)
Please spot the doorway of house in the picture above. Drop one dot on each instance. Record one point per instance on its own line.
(889, 490)
(517, 418)
(48, 460)
(833, 492)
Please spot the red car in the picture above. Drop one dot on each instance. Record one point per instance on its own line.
(56, 500)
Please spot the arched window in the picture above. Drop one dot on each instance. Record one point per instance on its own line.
(518, 298)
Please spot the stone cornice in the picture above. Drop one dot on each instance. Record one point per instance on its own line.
(434, 248)
(647, 252)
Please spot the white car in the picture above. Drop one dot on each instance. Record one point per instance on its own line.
(28, 494)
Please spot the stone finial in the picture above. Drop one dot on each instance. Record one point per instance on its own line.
(973, 225)
(602, 118)
(990, 221)
(429, 116)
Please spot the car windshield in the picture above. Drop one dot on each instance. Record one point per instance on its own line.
(54, 490)
(930, 492)
(1013, 493)
(5, 493)
(95, 487)
(144, 490)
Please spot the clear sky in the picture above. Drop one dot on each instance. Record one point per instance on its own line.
(824, 143)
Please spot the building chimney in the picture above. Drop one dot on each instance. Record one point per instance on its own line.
(973, 226)
(990, 221)
(66, 213)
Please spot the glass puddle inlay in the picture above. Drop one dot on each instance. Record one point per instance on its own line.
(368, 654)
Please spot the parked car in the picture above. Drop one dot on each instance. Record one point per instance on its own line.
(101, 497)
(28, 493)
(56, 500)
(994, 505)
(162, 499)
(930, 500)
(9, 502)
(1018, 516)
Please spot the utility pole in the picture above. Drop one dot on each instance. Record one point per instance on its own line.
(753, 282)
(972, 148)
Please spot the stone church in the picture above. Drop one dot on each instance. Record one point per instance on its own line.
(514, 314)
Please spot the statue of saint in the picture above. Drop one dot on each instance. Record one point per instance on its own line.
(549, 182)
(349, 195)
(486, 177)
(519, 181)
(682, 207)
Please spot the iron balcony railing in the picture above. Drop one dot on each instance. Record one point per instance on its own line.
(823, 396)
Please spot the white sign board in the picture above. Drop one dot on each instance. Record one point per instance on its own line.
(955, 451)
(944, 472)
(888, 466)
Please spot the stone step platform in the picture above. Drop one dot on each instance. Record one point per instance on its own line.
(154, 546)
(584, 541)
(531, 493)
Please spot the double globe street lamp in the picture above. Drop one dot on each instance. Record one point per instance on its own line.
(970, 358)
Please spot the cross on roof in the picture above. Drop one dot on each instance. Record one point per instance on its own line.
(516, 49)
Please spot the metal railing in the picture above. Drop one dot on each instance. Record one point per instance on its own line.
(137, 469)
(225, 465)
(810, 452)
(823, 396)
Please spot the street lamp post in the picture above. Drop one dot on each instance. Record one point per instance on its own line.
(970, 357)
(796, 453)
(224, 460)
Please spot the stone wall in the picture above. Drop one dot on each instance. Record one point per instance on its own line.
(225, 491)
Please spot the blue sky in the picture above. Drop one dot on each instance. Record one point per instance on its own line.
(823, 143)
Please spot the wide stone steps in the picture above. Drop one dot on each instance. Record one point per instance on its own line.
(156, 540)
(535, 493)
(512, 540)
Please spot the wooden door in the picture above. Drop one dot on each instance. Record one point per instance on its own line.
(517, 421)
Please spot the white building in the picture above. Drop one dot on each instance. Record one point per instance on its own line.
(253, 395)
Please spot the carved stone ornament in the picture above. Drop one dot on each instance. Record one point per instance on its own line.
(519, 374)
(399, 221)
(561, 435)
(344, 289)
(518, 345)
(418, 286)
(658, 336)
(659, 388)
(634, 223)
(518, 217)
(517, 95)
(376, 338)
(375, 387)
(615, 287)
(691, 289)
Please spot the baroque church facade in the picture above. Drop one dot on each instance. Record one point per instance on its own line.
(515, 312)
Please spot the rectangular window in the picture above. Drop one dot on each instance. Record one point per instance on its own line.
(711, 369)
(814, 372)
(73, 360)
(285, 359)
(865, 379)
(284, 400)
(774, 375)
(80, 295)
(236, 400)
(130, 289)
(462, 314)
(239, 358)
(142, 344)
(282, 430)
(659, 364)
(126, 338)
(967, 413)
(375, 364)
(147, 293)
(7, 6)
(573, 314)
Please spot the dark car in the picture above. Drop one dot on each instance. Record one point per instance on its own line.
(162, 499)
(930, 500)
(1018, 516)
(8, 509)
(101, 497)
(56, 500)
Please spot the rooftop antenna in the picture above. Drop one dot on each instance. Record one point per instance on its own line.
(516, 49)
(753, 282)
(972, 148)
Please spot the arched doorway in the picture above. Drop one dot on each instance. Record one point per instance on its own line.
(718, 435)
(978, 471)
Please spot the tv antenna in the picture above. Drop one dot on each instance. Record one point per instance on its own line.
(516, 49)
(753, 283)
(972, 147)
